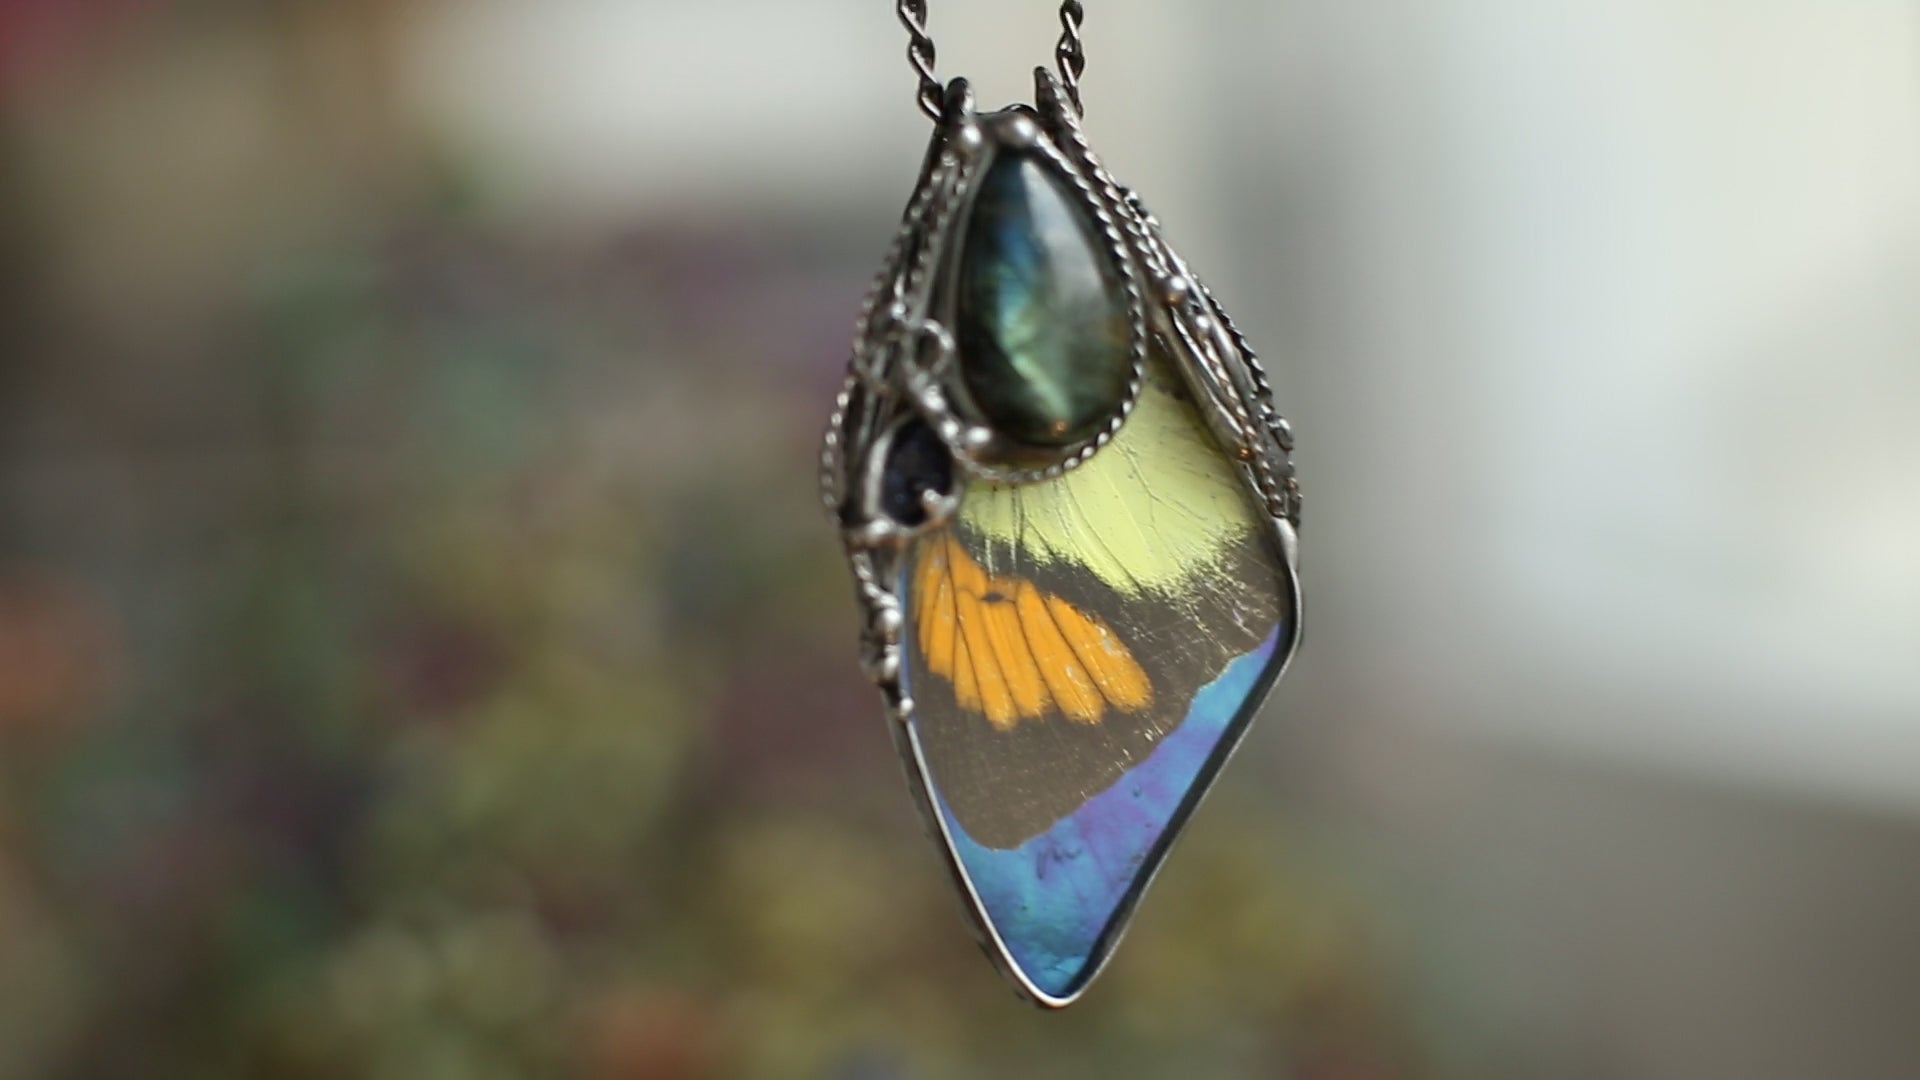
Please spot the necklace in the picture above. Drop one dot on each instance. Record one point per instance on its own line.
(1070, 513)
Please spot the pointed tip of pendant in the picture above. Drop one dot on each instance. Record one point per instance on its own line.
(1036, 988)
(1056, 905)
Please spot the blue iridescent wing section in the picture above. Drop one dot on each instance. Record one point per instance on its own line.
(1082, 655)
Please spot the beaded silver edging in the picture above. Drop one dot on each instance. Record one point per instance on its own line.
(905, 367)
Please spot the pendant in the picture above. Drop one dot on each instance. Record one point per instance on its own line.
(1070, 514)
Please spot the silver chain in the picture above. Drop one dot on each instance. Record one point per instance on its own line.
(913, 16)
(1070, 54)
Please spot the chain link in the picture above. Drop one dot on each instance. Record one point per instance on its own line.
(920, 53)
(1070, 54)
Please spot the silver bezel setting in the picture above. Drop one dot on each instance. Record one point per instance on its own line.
(904, 367)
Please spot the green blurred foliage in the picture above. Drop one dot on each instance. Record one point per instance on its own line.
(509, 758)
(427, 659)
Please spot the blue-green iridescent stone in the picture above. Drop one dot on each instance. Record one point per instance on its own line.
(1042, 316)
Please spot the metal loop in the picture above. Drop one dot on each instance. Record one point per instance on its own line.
(932, 349)
(1070, 54)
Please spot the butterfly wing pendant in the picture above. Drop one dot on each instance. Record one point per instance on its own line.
(1070, 513)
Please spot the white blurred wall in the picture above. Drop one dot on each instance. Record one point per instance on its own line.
(1634, 295)
(1600, 320)
(604, 108)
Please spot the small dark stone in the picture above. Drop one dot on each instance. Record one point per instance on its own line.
(917, 462)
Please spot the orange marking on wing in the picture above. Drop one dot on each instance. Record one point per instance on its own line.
(968, 576)
(996, 698)
(966, 687)
(939, 634)
(1079, 699)
(1118, 675)
(1018, 667)
(1012, 651)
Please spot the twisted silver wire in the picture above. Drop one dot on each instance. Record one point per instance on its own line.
(920, 53)
(1070, 54)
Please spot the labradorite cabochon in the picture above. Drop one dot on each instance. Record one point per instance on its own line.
(1041, 314)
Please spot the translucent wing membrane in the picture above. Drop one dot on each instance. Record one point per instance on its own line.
(1081, 655)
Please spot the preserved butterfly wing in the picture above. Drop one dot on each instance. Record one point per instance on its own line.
(1069, 513)
(1081, 655)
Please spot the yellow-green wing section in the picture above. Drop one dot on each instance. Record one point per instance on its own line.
(1149, 512)
(1058, 632)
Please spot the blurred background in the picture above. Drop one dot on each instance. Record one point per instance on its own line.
(422, 654)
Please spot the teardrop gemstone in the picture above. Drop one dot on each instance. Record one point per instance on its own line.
(1041, 313)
